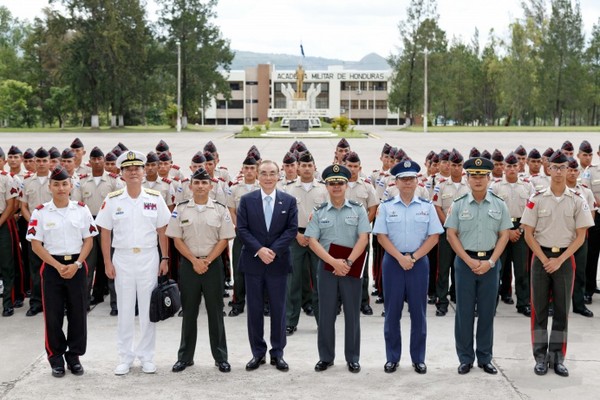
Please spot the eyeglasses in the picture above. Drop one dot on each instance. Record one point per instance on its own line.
(558, 167)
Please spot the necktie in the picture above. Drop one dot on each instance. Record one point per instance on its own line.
(268, 211)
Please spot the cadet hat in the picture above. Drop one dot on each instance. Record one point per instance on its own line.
(386, 149)
(352, 157)
(67, 153)
(429, 155)
(584, 147)
(201, 175)
(199, 158)
(29, 154)
(77, 144)
(59, 174)
(478, 166)
(162, 146)
(558, 157)
(301, 147)
(520, 151)
(54, 153)
(400, 154)
(121, 146)
(14, 150)
(2, 155)
(435, 158)
(393, 151)
(534, 154)
(455, 157)
(210, 147)
(486, 154)
(573, 164)
(42, 153)
(444, 155)
(131, 158)
(208, 156)
(405, 169)
(96, 152)
(343, 143)
(117, 151)
(110, 156)
(336, 173)
(497, 156)
(289, 158)
(164, 156)
(250, 160)
(151, 157)
(548, 153)
(567, 146)
(511, 159)
(306, 157)
(474, 153)
(293, 146)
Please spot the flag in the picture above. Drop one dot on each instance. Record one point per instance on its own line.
(301, 50)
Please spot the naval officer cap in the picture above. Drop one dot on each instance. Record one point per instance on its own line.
(201, 175)
(478, 166)
(59, 174)
(131, 158)
(336, 173)
(405, 169)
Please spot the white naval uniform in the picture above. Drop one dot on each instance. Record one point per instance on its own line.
(134, 223)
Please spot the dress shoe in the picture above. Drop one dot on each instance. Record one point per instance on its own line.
(420, 368)
(148, 367)
(289, 330)
(114, 313)
(453, 299)
(379, 300)
(255, 363)
(33, 311)
(309, 310)
(597, 290)
(586, 312)
(375, 292)
(366, 310)
(228, 286)
(440, 312)
(354, 367)
(18, 304)
(431, 300)
(181, 365)
(8, 311)
(122, 369)
(390, 367)
(323, 365)
(508, 300)
(58, 372)
(223, 366)
(96, 301)
(76, 368)
(560, 369)
(587, 299)
(280, 363)
(541, 368)
(525, 310)
(383, 313)
(234, 312)
(488, 368)
(225, 294)
(464, 368)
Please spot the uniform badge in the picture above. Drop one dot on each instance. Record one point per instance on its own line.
(120, 211)
(150, 206)
(530, 204)
(31, 231)
(93, 229)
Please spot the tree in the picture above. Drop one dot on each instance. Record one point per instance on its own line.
(592, 61)
(14, 107)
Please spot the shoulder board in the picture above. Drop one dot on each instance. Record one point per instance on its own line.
(534, 175)
(461, 197)
(39, 207)
(167, 180)
(584, 185)
(116, 193)
(4, 173)
(175, 166)
(526, 180)
(496, 196)
(320, 206)
(12, 174)
(574, 191)
(183, 202)
(83, 176)
(221, 204)
(214, 180)
(355, 203)
(539, 192)
(290, 182)
(235, 183)
(424, 200)
(220, 167)
(367, 180)
(441, 180)
(28, 175)
(322, 182)
(176, 179)
(185, 180)
(375, 170)
(113, 175)
(497, 180)
(421, 184)
(81, 204)
(152, 192)
(390, 199)
(392, 184)
(221, 179)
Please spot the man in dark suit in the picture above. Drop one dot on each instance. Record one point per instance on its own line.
(267, 222)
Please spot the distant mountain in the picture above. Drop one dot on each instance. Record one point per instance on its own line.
(244, 59)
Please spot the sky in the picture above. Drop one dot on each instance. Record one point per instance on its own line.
(343, 29)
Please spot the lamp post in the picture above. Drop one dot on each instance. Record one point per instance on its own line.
(349, 102)
(178, 86)
(251, 110)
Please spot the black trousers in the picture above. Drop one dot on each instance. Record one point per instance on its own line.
(592, 257)
(59, 294)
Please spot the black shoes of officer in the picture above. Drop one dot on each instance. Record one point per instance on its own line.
(379, 300)
(234, 312)
(255, 363)
(508, 300)
(525, 310)
(390, 367)
(420, 368)
(323, 365)
(366, 309)
(586, 312)
(32, 312)
(587, 299)
(8, 311)
(441, 311)
(308, 310)
(597, 290)
(18, 303)
(58, 372)
(541, 368)
(225, 294)
(375, 292)
(181, 365)
(280, 364)
(560, 369)
(431, 300)
(114, 313)
(354, 367)
(464, 368)
(289, 330)
(76, 368)
(488, 368)
(223, 366)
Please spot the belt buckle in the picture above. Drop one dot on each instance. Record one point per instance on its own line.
(555, 249)
(136, 250)
(481, 253)
(513, 219)
(67, 258)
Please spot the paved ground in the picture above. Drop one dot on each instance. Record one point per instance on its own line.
(25, 374)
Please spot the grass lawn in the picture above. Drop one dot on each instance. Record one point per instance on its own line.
(451, 129)
(325, 127)
(127, 129)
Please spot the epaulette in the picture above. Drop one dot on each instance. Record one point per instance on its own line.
(526, 180)
(167, 180)
(424, 200)
(12, 174)
(116, 193)
(421, 184)
(235, 183)
(461, 197)
(442, 180)
(534, 175)
(185, 180)
(152, 192)
(176, 179)
(497, 180)
(214, 180)
(39, 207)
(320, 206)
(83, 176)
(390, 199)
(355, 203)
(182, 202)
(177, 167)
(221, 204)
(367, 180)
(375, 170)
(225, 168)
(290, 182)
(574, 191)
(322, 182)
(496, 196)
(392, 184)
(584, 185)
(4, 173)
(222, 179)
(537, 193)
(28, 175)
(113, 175)
(81, 204)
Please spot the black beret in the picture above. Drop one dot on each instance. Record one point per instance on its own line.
(151, 157)
(59, 174)
(520, 151)
(497, 155)
(534, 154)
(76, 144)
(201, 175)
(67, 153)
(199, 158)
(210, 147)
(162, 146)
(42, 153)
(14, 150)
(96, 152)
(558, 158)
(343, 143)
(289, 158)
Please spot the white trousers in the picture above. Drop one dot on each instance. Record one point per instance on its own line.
(136, 277)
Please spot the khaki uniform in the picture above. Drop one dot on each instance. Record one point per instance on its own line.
(83, 169)
(539, 181)
(165, 187)
(379, 179)
(222, 172)
(8, 190)
(175, 173)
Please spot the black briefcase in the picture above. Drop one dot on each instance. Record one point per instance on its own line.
(165, 301)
